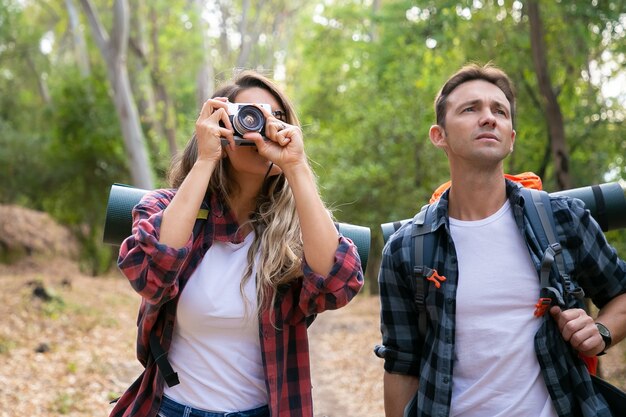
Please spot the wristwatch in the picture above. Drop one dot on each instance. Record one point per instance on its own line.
(606, 336)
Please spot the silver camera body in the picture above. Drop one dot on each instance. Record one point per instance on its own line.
(247, 117)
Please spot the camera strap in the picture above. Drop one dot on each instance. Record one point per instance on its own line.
(268, 171)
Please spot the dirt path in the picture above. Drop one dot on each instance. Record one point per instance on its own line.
(347, 376)
(69, 355)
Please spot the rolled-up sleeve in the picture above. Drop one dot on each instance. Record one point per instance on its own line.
(398, 313)
(344, 281)
(151, 267)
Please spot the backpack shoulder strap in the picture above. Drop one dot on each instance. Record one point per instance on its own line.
(538, 211)
(423, 249)
(539, 214)
(423, 255)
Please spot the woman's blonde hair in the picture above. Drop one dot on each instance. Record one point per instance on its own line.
(275, 222)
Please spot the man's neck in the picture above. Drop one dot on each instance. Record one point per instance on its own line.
(476, 196)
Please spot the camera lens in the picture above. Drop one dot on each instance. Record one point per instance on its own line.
(248, 119)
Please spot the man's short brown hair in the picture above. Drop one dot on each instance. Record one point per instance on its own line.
(471, 72)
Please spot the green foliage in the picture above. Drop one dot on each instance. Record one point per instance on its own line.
(85, 155)
(365, 124)
(617, 238)
(364, 81)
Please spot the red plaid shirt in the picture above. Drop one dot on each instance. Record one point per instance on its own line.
(159, 273)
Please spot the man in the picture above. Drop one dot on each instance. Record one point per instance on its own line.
(485, 353)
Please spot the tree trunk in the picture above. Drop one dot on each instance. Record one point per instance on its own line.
(42, 84)
(80, 46)
(246, 42)
(146, 102)
(131, 128)
(113, 50)
(205, 81)
(560, 154)
(374, 27)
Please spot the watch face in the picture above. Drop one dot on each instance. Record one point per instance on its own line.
(606, 335)
(603, 330)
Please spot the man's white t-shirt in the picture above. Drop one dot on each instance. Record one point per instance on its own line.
(215, 347)
(496, 372)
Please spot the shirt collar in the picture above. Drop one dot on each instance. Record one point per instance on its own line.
(512, 192)
(221, 216)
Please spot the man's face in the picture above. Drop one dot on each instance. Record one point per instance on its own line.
(478, 126)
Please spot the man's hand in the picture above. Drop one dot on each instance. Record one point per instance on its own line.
(579, 329)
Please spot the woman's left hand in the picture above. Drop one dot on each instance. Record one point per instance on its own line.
(285, 146)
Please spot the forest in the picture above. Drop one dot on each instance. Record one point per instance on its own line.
(96, 92)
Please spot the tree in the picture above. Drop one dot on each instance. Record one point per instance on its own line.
(113, 49)
(80, 45)
(155, 93)
(205, 79)
(554, 116)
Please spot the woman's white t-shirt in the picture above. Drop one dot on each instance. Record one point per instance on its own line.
(215, 348)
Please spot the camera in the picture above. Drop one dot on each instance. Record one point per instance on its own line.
(245, 118)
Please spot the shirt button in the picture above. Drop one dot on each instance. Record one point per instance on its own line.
(445, 379)
(449, 301)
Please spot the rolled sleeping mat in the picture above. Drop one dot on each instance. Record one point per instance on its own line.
(361, 236)
(119, 221)
(606, 203)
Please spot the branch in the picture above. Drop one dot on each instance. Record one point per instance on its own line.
(529, 90)
(99, 33)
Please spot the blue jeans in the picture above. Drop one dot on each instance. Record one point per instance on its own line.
(170, 408)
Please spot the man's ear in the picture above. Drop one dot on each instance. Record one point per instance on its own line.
(437, 135)
(513, 135)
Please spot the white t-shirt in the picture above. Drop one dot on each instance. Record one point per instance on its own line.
(496, 372)
(215, 347)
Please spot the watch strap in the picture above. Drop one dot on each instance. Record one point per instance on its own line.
(606, 336)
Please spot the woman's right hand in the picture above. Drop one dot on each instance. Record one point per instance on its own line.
(209, 133)
(180, 215)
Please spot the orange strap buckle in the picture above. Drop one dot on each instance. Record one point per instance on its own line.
(542, 306)
(435, 278)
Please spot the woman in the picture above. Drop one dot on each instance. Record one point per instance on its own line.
(232, 265)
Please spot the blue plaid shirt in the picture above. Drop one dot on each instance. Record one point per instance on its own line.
(589, 260)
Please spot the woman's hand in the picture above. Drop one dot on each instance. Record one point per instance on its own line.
(209, 133)
(180, 215)
(285, 146)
